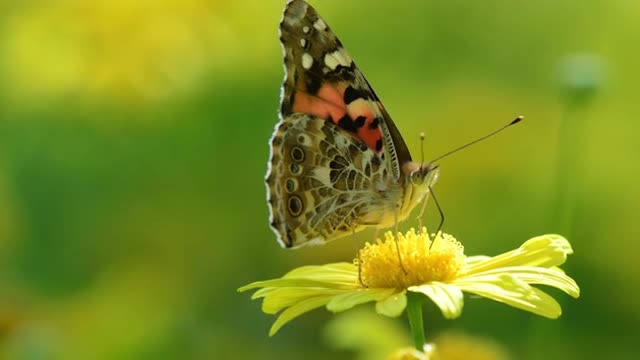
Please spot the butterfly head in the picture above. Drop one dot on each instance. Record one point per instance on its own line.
(420, 177)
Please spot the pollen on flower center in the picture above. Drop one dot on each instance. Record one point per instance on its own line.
(380, 264)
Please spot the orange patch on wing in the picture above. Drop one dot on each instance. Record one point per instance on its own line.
(329, 104)
(371, 135)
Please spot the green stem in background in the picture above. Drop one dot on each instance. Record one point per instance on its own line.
(414, 311)
(581, 76)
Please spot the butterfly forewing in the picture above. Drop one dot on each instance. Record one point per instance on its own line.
(322, 79)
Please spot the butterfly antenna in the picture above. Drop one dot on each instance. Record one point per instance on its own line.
(421, 150)
(513, 122)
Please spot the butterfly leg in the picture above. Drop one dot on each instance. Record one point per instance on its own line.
(356, 244)
(395, 237)
(439, 228)
(421, 214)
(360, 272)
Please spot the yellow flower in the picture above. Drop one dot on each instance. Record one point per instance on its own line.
(440, 271)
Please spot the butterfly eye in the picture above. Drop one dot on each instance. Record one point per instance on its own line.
(416, 177)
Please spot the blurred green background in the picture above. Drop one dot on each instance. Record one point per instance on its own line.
(133, 148)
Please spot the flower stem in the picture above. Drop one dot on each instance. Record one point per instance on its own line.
(414, 311)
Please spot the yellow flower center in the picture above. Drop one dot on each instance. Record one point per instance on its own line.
(416, 263)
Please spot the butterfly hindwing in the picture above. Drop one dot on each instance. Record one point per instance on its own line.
(318, 181)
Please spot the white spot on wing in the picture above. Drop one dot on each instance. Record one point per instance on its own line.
(330, 61)
(320, 25)
(305, 29)
(343, 58)
(338, 57)
(303, 42)
(307, 61)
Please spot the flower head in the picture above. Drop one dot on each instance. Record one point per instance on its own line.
(440, 271)
(421, 262)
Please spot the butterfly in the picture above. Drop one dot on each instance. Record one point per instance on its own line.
(338, 163)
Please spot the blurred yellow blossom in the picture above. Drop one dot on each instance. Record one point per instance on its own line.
(460, 346)
(370, 336)
(127, 50)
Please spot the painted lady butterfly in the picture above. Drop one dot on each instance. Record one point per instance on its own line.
(338, 162)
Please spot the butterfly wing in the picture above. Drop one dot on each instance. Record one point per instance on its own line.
(320, 182)
(335, 150)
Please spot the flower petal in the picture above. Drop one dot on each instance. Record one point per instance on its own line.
(346, 273)
(532, 275)
(447, 297)
(392, 306)
(298, 309)
(544, 251)
(297, 282)
(347, 300)
(282, 298)
(515, 292)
